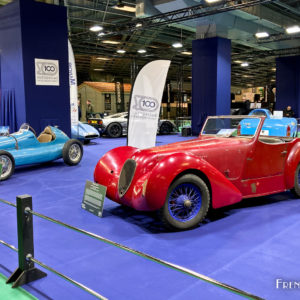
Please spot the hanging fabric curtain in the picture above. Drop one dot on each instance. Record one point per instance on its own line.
(8, 110)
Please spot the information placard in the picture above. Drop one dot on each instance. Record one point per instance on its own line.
(93, 198)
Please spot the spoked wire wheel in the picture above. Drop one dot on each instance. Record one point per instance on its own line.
(186, 204)
(8, 165)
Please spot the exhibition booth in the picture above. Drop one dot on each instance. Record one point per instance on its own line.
(145, 212)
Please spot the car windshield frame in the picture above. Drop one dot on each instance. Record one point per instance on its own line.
(241, 117)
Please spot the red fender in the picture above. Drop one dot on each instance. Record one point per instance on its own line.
(223, 191)
(108, 168)
(291, 164)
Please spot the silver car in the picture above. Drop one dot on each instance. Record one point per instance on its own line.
(116, 125)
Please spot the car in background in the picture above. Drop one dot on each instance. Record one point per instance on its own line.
(4, 130)
(84, 132)
(116, 125)
(24, 148)
(95, 120)
(273, 126)
(221, 167)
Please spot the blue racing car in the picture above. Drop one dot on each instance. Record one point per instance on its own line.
(84, 132)
(24, 147)
(273, 126)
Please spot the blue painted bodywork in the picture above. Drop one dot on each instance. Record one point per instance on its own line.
(272, 126)
(28, 150)
(84, 132)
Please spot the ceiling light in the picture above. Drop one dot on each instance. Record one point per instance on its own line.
(261, 35)
(98, 69)
(125, 8)
(142, 51)
(101, 34)
(273, 80)
(177, 45)
(244, 64)
(96, 28)
(138, 25)
(186, 52)
(190, 77)
(273, 69)
(103, 58)
(121, 51)
(212, 1)
(238, 61)
(293, 29)
(110, 42)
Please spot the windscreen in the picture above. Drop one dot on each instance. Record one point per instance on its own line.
(231, 127)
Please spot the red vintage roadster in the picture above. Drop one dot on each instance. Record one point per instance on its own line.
(219, 168)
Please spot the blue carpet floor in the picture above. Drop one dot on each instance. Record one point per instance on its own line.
(248, 245)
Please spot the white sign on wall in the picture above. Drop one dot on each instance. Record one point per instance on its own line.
(46, 72)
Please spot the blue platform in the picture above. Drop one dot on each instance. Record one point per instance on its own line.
(248, 245)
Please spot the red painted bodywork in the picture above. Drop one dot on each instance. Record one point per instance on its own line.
(233, 168)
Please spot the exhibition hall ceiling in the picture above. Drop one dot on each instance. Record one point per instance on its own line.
(135, 32)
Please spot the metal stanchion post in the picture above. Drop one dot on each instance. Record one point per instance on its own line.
(26, 272)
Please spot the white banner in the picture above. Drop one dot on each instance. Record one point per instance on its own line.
(73, 86)
(145, 104)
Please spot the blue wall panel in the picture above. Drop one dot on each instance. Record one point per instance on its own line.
(288, 83)
(211, 78)
(11, 62)
(45, 36)
(30, 30)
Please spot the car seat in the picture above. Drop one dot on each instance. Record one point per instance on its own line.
(46, 136)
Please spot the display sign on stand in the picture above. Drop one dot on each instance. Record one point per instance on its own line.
(93, 198)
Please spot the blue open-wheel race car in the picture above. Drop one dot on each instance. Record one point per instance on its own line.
(84, 132)
(24, 148)
(273, 126)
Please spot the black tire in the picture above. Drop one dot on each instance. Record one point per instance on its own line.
(200, 211)
(72, 152)
(114, 130)
(8, 165)
(296, 188)
(165, 128)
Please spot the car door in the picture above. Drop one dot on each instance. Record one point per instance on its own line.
(266, 159)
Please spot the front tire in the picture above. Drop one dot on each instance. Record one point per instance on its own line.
(72, 152)
(186, 204)
(296, 188)
(114, 130)
(165, 128)
(8, 165)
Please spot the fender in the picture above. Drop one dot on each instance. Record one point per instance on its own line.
(223, 191)
(108, 168)
(291, 164)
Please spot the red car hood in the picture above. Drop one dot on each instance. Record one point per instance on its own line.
(198, 146)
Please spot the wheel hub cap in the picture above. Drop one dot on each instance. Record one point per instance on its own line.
(187, 203)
